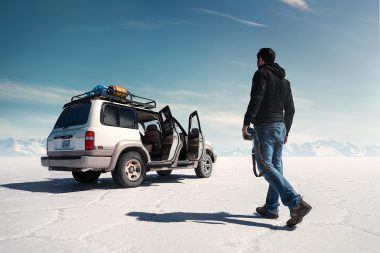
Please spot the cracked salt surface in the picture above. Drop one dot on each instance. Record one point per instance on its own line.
(42, 211)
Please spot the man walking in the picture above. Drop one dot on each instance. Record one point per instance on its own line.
(271, 110)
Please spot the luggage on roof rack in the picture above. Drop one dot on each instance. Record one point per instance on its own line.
(116, 94)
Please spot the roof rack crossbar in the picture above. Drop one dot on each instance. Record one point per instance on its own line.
(124, 98)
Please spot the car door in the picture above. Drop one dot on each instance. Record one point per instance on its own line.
(170, 137)
(195, 138)
(166, 120)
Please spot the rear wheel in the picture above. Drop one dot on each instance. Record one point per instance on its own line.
(130, 170)
(204, 168)
(86, 177)
(164, 173)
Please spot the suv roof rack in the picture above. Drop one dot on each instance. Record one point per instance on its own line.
(113, 94)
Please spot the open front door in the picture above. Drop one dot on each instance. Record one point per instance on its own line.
(195, 138)
(166, 119)
(170, 138)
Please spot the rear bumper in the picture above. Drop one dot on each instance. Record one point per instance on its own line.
(82, 162)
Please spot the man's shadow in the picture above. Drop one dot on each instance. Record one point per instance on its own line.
(220, 218)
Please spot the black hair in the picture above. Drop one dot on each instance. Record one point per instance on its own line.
(267, 54)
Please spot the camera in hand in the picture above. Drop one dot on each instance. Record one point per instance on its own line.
(250, 134)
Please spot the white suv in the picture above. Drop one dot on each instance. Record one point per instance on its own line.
(112, 130)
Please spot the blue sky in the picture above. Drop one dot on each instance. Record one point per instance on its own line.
(194, 55)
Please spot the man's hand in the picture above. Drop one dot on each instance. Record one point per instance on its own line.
(286, 139)
(245, 134)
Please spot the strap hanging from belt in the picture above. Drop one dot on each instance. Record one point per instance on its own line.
(261, 157)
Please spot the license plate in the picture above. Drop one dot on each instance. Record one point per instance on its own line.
(65, 143)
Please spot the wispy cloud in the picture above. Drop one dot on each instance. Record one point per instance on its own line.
(299, 4)
(183, 95)
(152, 25)
(38, 125)
(303, 102)
(140, 25)
(10, 90)
(230, 17)
(186, 94)
(10, 129)
(223, 118)
(370, 20)
(79, 29)
(130, 25)
(241, 64)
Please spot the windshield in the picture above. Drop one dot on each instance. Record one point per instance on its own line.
(73, 115)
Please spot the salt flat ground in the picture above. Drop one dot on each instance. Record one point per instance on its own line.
(42, 211)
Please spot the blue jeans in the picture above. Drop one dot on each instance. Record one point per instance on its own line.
(271, 137)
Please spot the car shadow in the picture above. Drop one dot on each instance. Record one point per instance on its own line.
(61, 185)
(220, 218)
(67, 185)
(155, 180)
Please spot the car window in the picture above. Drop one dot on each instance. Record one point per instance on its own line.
(118, 116)
(110, 115)
(73, 115)
(126, 117)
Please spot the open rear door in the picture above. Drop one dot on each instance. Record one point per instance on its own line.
(195, 138)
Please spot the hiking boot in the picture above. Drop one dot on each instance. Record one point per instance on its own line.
(297, 213)
(262, 210)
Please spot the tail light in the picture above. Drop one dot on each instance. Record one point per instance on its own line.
(89, 140)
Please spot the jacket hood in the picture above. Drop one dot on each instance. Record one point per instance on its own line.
(275, 69)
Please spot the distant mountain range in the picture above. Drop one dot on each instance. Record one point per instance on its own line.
(321, 148)
(29, 147)
(331, 148)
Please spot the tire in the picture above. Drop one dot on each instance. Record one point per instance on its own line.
(86, 177)
(130, 170)
(164, 173)
(204, 168)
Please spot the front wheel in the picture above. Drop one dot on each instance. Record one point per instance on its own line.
(130, 170)
(204, 168)
(86, 177)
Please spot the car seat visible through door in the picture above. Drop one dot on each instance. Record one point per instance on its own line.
(153, 136)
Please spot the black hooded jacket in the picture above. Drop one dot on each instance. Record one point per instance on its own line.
(271, 97)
